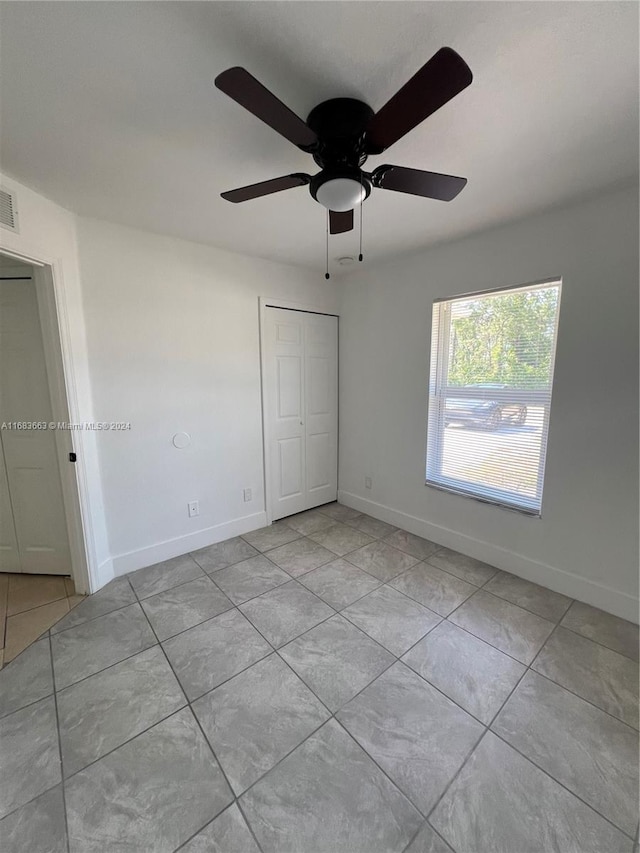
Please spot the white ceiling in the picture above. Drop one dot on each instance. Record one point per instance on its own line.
(110, 110)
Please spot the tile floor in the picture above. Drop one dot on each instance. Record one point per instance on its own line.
(30, 605)
(327, 685)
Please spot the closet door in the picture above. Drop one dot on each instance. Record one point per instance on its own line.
(321, 408)
(301, 407)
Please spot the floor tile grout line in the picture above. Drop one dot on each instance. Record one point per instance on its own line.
(380, 768)
(414, 836)
(495, 595)
(338, 611)
(37, 606)
(59, 734)
(45, 632)
(234, 802)
(105, 668)
(197, 624)
(251, 829)
(293, 577)
(441, 691)
(236, 798)
(486, 642)
(488, 728)
(506, 601)
(140, 598)
(306, 631)
(187, 702)
(527, 667)
(277, 649)
(199, 725)
(319, 566)
(283, 758)
(125, 742)
(578, 696)
(274, 651)
(345, 556)
(455, 776)
(184, 843)
(445, 694)
(437, 833)
(562, 785)
(297, 636)
(388, 583)
(87, 621)
(597, 642)
(93, 618)
(419, 560)
(409, 648)
(332, 716)
(465, 580)
(453, 575)
(28, 704)
(64, 779)
(344, 606)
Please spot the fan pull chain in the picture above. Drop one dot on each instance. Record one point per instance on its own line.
(326, 275)
(361, 206)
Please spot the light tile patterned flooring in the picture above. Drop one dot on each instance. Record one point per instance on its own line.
(30, 605)
(326, 685)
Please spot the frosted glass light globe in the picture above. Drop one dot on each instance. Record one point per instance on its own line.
(341, 194)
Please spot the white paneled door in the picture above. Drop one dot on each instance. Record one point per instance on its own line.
(301, 409)
(33, 530)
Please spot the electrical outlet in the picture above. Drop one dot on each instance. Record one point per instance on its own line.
(367, 482)
(247, 495)
(193, 508)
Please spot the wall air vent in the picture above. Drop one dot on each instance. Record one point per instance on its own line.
(8, 210)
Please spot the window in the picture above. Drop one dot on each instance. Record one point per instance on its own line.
(492, 357)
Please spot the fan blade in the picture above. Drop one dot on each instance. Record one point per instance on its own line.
(253, 96)
(417, 182)
(275, 185)
(444, 76)
(341, 222)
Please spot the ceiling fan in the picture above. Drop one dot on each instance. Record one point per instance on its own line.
(341, 133)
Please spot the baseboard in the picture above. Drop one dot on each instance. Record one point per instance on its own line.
(104, 574)
(152, 554)
(559, 580)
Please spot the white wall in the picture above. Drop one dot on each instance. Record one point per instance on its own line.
(173, 331)
(586, 543)
(48, 234)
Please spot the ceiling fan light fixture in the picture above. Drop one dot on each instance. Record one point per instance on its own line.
(341, 194)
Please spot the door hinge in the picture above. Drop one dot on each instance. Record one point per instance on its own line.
(73, 457)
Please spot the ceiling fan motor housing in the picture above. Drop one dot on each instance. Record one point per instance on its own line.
(340, 125)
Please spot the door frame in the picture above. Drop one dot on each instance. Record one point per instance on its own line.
(54, 322)
(265, 302)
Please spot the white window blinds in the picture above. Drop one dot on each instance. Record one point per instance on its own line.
(492, 358)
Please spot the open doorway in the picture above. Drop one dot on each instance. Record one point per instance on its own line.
(38, 497)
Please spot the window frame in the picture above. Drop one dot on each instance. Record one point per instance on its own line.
(437, 392)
